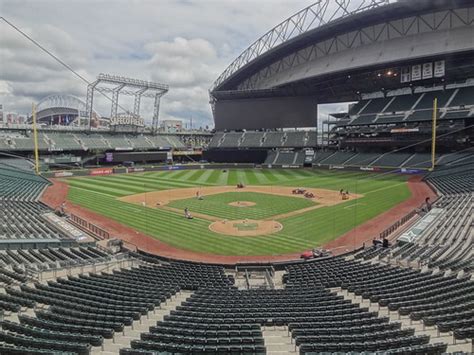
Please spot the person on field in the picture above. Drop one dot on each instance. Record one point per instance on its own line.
(187, 215)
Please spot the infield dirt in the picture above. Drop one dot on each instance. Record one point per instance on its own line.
(157, 199)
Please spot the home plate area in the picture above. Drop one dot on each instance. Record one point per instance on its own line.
(245, 227)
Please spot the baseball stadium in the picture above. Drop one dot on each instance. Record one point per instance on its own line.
(280, 231)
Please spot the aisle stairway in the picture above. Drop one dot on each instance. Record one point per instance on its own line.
(406, 322)
(122, 340)
(278, 340)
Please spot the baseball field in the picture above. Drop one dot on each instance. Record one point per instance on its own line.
(265, 217)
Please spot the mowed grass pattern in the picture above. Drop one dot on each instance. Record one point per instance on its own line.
(265, 205)
(299, 232)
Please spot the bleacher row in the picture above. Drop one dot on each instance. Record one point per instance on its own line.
(390, 159)
(455, 103)
(433, 299)
(63, 141)
(354, 159)
(49, 258)
(448, 243)
(84, 310)
(285, 158)
(20, 212)
(290, 139)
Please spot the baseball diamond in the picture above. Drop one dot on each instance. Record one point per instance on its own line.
(305, 222)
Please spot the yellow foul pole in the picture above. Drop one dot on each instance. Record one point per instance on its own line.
(433, 133)
(35, 138)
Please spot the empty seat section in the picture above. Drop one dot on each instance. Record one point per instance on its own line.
(338, 158)
(391, 160)
(273, 139)
(231, 140)
(252, 139)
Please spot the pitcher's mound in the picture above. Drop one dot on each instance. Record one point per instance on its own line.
(242, 204)
(245, 227)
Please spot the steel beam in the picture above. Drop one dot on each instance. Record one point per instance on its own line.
(309, 18)
(115, 98)
(90, 100)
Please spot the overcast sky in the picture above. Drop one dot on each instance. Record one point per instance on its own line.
(183, 43)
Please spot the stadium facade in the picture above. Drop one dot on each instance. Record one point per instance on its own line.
(330, 53)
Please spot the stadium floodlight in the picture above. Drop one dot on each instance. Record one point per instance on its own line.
(310, 18)
(129, 87)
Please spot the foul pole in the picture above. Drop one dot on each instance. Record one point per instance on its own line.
(433, 133)
(35, 139)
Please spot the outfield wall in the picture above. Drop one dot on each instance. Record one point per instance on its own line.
(122, 170)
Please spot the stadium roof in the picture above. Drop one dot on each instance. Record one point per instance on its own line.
(315, 24)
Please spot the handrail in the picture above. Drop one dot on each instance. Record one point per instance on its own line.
(98, 232)
(398, 224)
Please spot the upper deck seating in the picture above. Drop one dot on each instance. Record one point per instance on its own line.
(295, 139)
(252, 139)
(140, 142)
(231, 140)
(273, 139)
(64, 141)
(92, 141)
(120, 142)
(464, 97)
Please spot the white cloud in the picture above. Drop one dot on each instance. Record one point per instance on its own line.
(183, 43)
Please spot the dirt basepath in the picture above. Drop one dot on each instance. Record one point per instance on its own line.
(161, 199)
(57, 193)
(164, 197)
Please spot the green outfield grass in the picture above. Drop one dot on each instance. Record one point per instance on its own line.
(265, 205)
(300, 232)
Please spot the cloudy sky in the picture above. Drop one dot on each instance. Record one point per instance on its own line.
(183, 43)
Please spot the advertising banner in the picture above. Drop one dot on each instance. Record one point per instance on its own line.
(416, 72)
(404, 130)
(439, 69)
(427, 70)
(411, 171)
(63, 174)
(405, 76)
(101, 171)
(135, 170)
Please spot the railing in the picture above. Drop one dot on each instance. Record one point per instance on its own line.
(398, 224)
(269, 276)
(68, 267)
(98, 232)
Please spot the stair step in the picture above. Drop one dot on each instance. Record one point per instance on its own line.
(141, 326)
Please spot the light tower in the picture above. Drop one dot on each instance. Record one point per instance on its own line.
(119, 85)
